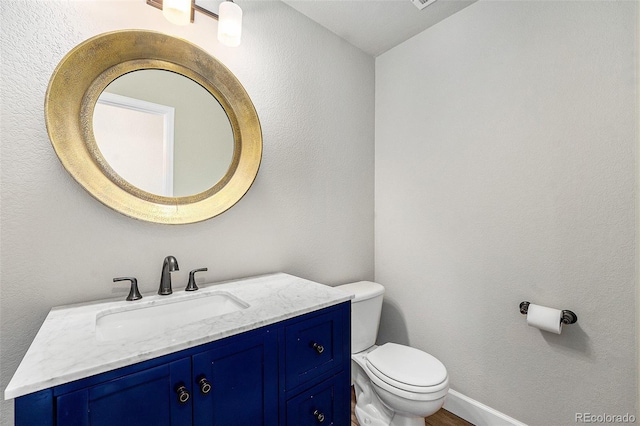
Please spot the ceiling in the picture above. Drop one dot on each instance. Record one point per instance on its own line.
(376, 26)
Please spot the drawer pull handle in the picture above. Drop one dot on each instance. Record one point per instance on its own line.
(205, 386)
(319, 416)
(183, 394)
(318, 347)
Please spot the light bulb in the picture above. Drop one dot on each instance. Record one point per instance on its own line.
(177, 11)
(229, 24)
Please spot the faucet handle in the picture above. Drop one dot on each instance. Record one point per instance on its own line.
(134, 294)
(191, 286)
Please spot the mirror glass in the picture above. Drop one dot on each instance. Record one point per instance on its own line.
(163, 133)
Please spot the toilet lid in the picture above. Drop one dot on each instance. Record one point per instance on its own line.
(405, 365)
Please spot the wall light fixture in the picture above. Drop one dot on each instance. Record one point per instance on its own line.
(229, 17)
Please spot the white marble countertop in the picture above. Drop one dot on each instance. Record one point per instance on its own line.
(66, 347)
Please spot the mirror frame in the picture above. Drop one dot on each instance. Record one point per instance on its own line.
(80, 78)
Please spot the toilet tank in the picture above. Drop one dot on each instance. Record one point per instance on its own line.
(365, 313)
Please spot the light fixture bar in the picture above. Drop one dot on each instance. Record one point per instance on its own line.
(229, 17)
(158, 4)
(207, 12)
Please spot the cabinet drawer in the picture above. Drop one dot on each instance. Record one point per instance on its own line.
(313, 346)
(325, 404)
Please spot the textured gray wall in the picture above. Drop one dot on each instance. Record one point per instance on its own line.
(309, 213)
(505, 155)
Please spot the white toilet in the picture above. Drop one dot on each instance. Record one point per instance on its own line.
(395, 385)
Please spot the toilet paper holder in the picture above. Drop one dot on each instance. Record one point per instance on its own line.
(568, 317)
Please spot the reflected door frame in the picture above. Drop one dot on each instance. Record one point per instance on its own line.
(168, 118)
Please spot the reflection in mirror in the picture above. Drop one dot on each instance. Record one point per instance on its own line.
(163, 133)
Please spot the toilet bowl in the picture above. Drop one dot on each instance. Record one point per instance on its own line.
(395, 385)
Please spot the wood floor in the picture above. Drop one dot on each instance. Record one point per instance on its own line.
(441, 418)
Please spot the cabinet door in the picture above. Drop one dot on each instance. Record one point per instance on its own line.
(140, 399)
(243, 383)
(328, 403)
(314, 346)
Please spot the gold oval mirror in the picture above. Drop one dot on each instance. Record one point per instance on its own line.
(147, 153)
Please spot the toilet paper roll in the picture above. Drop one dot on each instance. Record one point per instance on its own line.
(547, 319)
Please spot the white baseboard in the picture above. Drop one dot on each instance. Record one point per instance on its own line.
(476, 412)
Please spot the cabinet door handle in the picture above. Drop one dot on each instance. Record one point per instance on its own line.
(318, 347)
(319, 416)
(205, 386)
(183, 394)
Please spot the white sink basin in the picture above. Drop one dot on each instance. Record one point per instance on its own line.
(144, 319)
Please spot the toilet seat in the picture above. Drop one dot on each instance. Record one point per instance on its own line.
(403, 368)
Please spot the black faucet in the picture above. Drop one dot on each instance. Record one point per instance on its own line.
(169, 265)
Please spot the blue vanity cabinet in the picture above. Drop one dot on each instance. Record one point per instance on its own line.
(269, 376)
